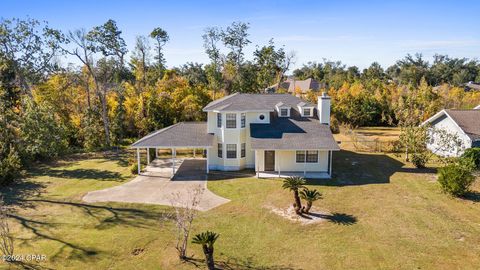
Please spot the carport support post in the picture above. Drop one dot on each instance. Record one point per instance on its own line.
(330, 170)
(304, 164)
(207, 161)
(256, 165)
(174, 154)
(138, 160)
(194, 150)
(148, 155)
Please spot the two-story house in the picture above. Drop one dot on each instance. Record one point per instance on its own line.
(276, 134)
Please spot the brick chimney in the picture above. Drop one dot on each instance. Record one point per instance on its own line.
(324, 109)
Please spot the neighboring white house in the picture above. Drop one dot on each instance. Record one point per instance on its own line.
(276, 134)
(464, 124)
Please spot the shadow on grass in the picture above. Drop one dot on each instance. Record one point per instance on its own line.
(337, 218)
(107, 217)
(351, 168)
(235, 264)
(473, 196)
(94, 174)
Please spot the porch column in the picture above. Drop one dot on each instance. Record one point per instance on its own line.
(156, 152)
(304, 165)
(148, 155)
(330, 169)
(138, 160)
(277, 160)
(256, 164)
(207, 161)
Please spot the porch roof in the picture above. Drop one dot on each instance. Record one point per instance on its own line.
(180, 135)
(292, 134)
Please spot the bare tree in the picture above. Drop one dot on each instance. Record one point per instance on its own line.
(6, 239)
(185, 213)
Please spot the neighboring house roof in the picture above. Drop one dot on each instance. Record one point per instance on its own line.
(467, 120)
(472, 85)
(292, 133)
(183, 134)
(304, 85)
(253, 102)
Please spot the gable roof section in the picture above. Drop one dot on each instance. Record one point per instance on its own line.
(253, 102)
(183, 134)
(292, 133)
(467, 120)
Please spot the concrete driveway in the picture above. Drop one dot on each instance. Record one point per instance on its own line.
(154, 186)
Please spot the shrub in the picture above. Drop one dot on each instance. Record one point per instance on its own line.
(10, 166)
(456, 178)
(134, 168)
(419, 159)
(473, 154)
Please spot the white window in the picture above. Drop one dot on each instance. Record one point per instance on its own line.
(307, 112)
(242, 120)
(300, 156)
(283, 112)
(231, 120)
(231, 151)
(219, 120)
(312, 156)
(242, 150)
(220, 150)
(306, 156)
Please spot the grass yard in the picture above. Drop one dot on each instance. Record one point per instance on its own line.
(382, 215)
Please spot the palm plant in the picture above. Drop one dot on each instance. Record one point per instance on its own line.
(310, 196)
(294, 183)
(207, 239)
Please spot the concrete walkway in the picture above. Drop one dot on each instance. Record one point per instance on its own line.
(155, 187)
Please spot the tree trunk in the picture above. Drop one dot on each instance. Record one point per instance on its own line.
(209, 257)
(298, 204)
(309, 205)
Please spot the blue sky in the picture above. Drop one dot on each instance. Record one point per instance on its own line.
(354, 32)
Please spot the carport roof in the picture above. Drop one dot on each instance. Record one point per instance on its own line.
(180, 135)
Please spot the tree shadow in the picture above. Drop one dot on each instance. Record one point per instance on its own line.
(235, 264)
(101, 175)
(337, 218)
(351, 168)
(473, 196)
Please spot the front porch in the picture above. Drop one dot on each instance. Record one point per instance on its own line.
(310, 175)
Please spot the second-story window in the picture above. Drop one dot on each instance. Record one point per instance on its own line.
(307, 112)
(242, 120)
(284, 112)
(219, 120)
(231, 120)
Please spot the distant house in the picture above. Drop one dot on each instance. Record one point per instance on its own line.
(465, 124)
(290, 85)
(472, 86)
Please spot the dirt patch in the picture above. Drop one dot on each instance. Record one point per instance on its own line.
(315, 216)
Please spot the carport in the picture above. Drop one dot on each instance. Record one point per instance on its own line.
(183, 135)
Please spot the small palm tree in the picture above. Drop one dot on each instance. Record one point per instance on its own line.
(294, 183)
(207, 239)
(310, 196)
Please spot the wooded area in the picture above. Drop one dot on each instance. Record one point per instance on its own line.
(48, 108)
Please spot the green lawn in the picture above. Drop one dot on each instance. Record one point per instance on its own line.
(383, 215)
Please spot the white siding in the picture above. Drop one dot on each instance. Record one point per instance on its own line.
(285, 160)
(449, 125)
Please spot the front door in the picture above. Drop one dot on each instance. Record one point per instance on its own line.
(269, 160)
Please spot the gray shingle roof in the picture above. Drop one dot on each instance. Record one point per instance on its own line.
(253, 102)
(304, 85)
(292, 133)
(183, 134)
(468, 120)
